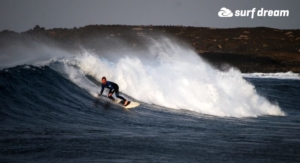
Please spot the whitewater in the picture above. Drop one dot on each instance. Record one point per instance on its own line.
(169, 75)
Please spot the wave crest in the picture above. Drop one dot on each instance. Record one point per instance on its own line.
(173, 76)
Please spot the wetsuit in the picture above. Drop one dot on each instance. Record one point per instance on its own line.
(113, 87)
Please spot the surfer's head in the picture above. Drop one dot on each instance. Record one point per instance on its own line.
(103, 80)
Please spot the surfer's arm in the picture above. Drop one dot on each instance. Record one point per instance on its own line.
(102, 89)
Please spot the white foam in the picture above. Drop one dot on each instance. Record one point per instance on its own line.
(175, 77)
(279, 75)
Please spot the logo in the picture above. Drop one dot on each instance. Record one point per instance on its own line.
(224, 12)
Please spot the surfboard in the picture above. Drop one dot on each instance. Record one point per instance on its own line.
(120, 102)
(131, 104)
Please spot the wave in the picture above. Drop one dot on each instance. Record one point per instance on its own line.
(31, 94)
(169, 75)
(278, 75)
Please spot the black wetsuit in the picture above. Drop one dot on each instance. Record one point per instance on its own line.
(113, 87)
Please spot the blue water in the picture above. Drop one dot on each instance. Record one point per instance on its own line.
(44, 117)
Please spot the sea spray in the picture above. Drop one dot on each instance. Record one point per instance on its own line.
(21, 54)
(173, 76)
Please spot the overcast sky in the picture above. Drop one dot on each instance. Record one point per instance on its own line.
(22, 15)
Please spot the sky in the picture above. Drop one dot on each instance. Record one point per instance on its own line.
(22, 15)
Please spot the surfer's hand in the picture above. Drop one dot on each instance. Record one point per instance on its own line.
(110, 94)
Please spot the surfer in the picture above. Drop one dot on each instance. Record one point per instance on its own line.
(113, 88)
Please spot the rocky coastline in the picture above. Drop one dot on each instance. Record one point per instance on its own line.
(257, 49)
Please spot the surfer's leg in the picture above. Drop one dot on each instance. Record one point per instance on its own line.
(120, 97)
(126, 102)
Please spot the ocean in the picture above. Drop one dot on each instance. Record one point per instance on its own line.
(189, 112)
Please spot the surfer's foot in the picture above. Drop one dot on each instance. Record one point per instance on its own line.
(126, 103)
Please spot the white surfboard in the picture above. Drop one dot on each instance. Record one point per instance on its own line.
(132, 104)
